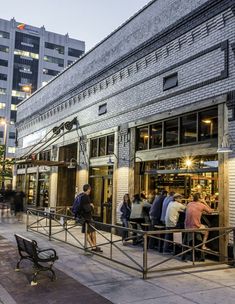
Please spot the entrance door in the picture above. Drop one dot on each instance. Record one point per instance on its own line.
(101, 181)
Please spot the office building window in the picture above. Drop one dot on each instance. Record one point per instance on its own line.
(2, 105)
(18, 94)
(12, 135)
(5, 35)
(58, 61)
(13, 107)
(13, 116)
(188, 128)
(4, 49)
(56, 47)
(102, 146)
(26, 54)
(74, 52)
(27, 42)
(11, 149)
(3, 91)
(3, 62)
(1, 134)
(3, 77)
(70, 62)
(170, 81)
(50, 72)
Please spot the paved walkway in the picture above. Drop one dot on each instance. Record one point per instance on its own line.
(76, 271)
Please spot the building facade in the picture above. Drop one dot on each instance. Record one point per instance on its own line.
(145, 110)
(29, 58)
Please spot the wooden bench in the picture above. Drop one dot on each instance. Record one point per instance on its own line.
(42, 259)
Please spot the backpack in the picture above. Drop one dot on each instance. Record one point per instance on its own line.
(76, 208)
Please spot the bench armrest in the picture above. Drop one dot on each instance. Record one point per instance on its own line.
(47, 250)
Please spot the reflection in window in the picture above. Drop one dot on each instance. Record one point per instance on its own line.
(171, 132)
(142, 138)
(208, 124)
(188, 129)
(94, 150)
(102, 146)
(110, 144)
(156, 136)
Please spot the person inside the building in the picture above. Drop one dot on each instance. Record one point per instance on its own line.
(193, 216)
(172, 220)
(86, 210)
(165, 204)
(125, 211)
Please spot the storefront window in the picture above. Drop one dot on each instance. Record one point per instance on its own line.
(102, 146)
(110, 144)
(156, 136)
(142, 138)
(31, 189)
(188, 129)
(171, 132)
(208, 124)
(94, 150)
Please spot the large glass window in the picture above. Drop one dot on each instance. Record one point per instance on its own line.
(110, 144)
(94, 147)
(188, 128)
(56, 47)
(102, 146)
(156, 136)
(171, 132)
(143, 137)
(208, 124)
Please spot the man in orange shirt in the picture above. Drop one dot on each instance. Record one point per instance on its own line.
(193, 216)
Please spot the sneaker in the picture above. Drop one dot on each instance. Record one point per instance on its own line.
(97, 249)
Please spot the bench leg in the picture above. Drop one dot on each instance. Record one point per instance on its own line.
(18, 265)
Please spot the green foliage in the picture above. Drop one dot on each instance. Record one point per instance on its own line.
(7, 163)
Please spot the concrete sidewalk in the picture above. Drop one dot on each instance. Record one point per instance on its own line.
(214, 285)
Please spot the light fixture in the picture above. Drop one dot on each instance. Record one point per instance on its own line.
(225, 146)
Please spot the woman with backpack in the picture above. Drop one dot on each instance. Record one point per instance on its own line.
(125, 214)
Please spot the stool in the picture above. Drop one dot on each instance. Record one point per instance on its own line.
(188, 240)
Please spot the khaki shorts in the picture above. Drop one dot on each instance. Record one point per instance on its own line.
(203, 227)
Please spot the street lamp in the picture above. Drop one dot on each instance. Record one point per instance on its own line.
(4, 122)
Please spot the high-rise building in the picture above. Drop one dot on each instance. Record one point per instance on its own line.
(29, 58)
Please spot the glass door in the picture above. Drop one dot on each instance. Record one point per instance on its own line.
(101, 181)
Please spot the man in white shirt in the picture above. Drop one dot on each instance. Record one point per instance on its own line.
(171, 219)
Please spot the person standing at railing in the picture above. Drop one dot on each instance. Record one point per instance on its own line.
(85, 212)
(125, 211)
(193, 216)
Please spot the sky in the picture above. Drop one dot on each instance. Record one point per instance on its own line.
(87, 20)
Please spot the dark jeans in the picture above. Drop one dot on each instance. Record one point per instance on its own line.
(168, 247)
(124, 232)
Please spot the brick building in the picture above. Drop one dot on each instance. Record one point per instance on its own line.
(145, 110)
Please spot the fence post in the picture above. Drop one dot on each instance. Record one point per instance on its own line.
(111, 243)
(233, 246)
(193, 251)
(27, 221)
(85, 235)
(49, 226)
(145, 257)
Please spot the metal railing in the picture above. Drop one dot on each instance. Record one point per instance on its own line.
(64, 228)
